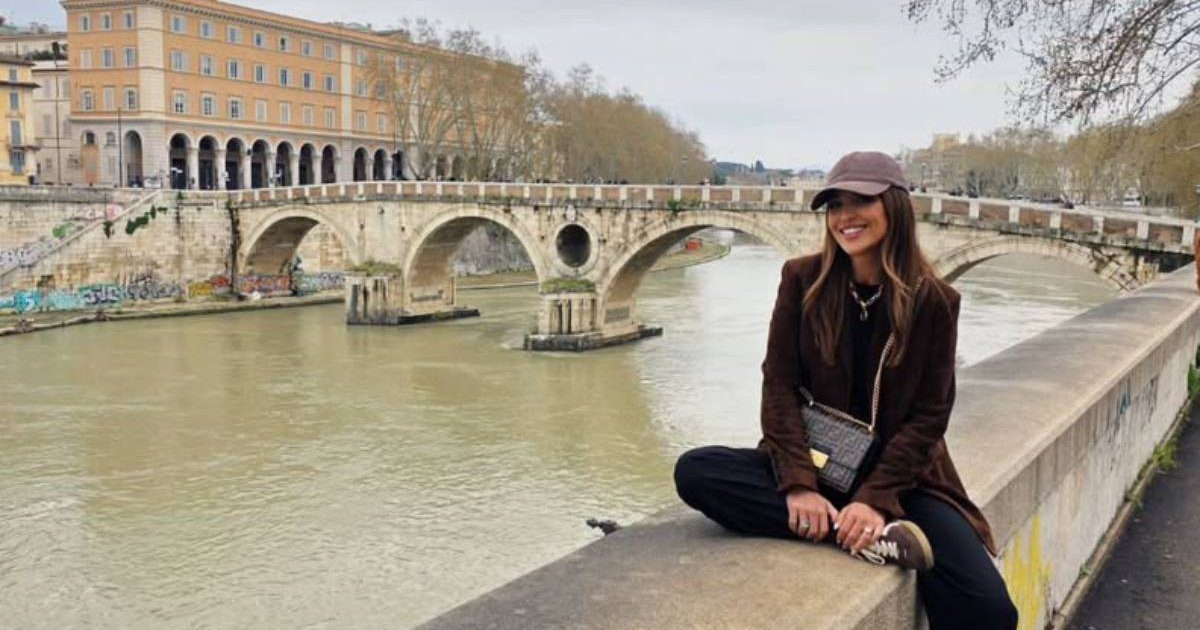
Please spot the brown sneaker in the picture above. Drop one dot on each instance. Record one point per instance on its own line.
(903, 544)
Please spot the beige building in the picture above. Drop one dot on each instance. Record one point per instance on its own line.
(28, 40)
(17, 145)
(206, 94)
(58, 158)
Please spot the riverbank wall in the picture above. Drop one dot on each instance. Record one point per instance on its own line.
(1051, 438)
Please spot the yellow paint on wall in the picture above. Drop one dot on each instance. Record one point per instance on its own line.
(1027, 575)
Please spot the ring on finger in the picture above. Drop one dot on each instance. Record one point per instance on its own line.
(804, 524)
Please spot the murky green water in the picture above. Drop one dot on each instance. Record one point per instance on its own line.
(280, 469)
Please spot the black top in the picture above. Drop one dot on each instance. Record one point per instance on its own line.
(862, 382)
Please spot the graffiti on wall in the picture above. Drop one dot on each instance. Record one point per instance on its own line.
(216, 285)
(148, 286)
(139, 287)
(264, 284)
(316, 282)
(28, 253)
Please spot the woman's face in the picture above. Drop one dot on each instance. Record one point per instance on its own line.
(858, 223)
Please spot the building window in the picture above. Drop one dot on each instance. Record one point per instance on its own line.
(360, 87)
(14, 101)
(106, 58)
(130, 56)
(85, 22)
(206, 65)
(129, 23)
(381, 123)
(235, 108)
(206, 30)
(306, 80)
(178, 24)
(208, 105)
(360, 121)
(234, 35)
(105, 22)
(329, 52)
(399, 63)
(306, 48)
(260, 73)
(360, 57)
(260, 40)
(14, 130)
(178, 61)
(234, 69)
(260, 110)
(285, 77)
(330, 118)
(86, 100)
(330, 83)
(85, 59)
(179, 102)
(308, 115)
(131, 99)
(109, 99)
(284, 43)
(16, 157)
(285, 113)
(380, 90)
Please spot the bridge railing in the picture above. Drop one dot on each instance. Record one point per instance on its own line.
(1129, 225)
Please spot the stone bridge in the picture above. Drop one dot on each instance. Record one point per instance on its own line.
(591, 245)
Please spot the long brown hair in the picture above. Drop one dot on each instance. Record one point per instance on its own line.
(903, 266)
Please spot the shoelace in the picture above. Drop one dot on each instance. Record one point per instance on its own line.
(879, 552)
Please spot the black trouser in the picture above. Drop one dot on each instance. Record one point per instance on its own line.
(736, 488)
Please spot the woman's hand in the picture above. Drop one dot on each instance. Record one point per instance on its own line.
(809, 514)
(858, 526)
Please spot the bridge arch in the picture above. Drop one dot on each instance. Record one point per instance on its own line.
(618, 287)
(273, 242)
(954, 263)
(427, 261)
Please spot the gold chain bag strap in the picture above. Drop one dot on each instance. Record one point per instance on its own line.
(839, 442)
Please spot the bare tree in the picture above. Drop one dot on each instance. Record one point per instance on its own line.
(1084, 58)
(417, 89)
(492, 101)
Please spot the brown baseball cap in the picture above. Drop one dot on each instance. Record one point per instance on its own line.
(864, 172)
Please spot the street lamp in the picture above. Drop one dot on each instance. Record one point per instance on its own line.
(55, 47)
(120, 150)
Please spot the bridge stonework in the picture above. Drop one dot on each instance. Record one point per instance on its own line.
(590, 246)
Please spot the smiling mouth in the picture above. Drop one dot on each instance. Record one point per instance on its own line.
(852, 230)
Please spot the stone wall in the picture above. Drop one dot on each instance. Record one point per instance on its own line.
(32, 221)
(180, 250)
(1048, 436)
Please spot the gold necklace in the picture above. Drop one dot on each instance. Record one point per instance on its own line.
(864, 305)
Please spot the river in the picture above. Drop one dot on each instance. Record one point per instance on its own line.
(280, 469)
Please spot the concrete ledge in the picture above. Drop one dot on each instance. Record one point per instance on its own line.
(1048, 435)
(588, 341)
(457, 312)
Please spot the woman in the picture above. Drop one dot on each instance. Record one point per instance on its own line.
(832, 316)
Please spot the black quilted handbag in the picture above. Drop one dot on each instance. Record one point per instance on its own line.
(839, 442)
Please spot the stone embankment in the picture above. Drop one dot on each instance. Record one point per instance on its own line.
(1049, 437)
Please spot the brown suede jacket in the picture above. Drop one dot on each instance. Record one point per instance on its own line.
(916, 397)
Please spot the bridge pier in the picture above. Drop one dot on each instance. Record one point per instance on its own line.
(569, 321)
(379, 298)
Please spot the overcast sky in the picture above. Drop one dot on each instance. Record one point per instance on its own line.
(794, 85)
